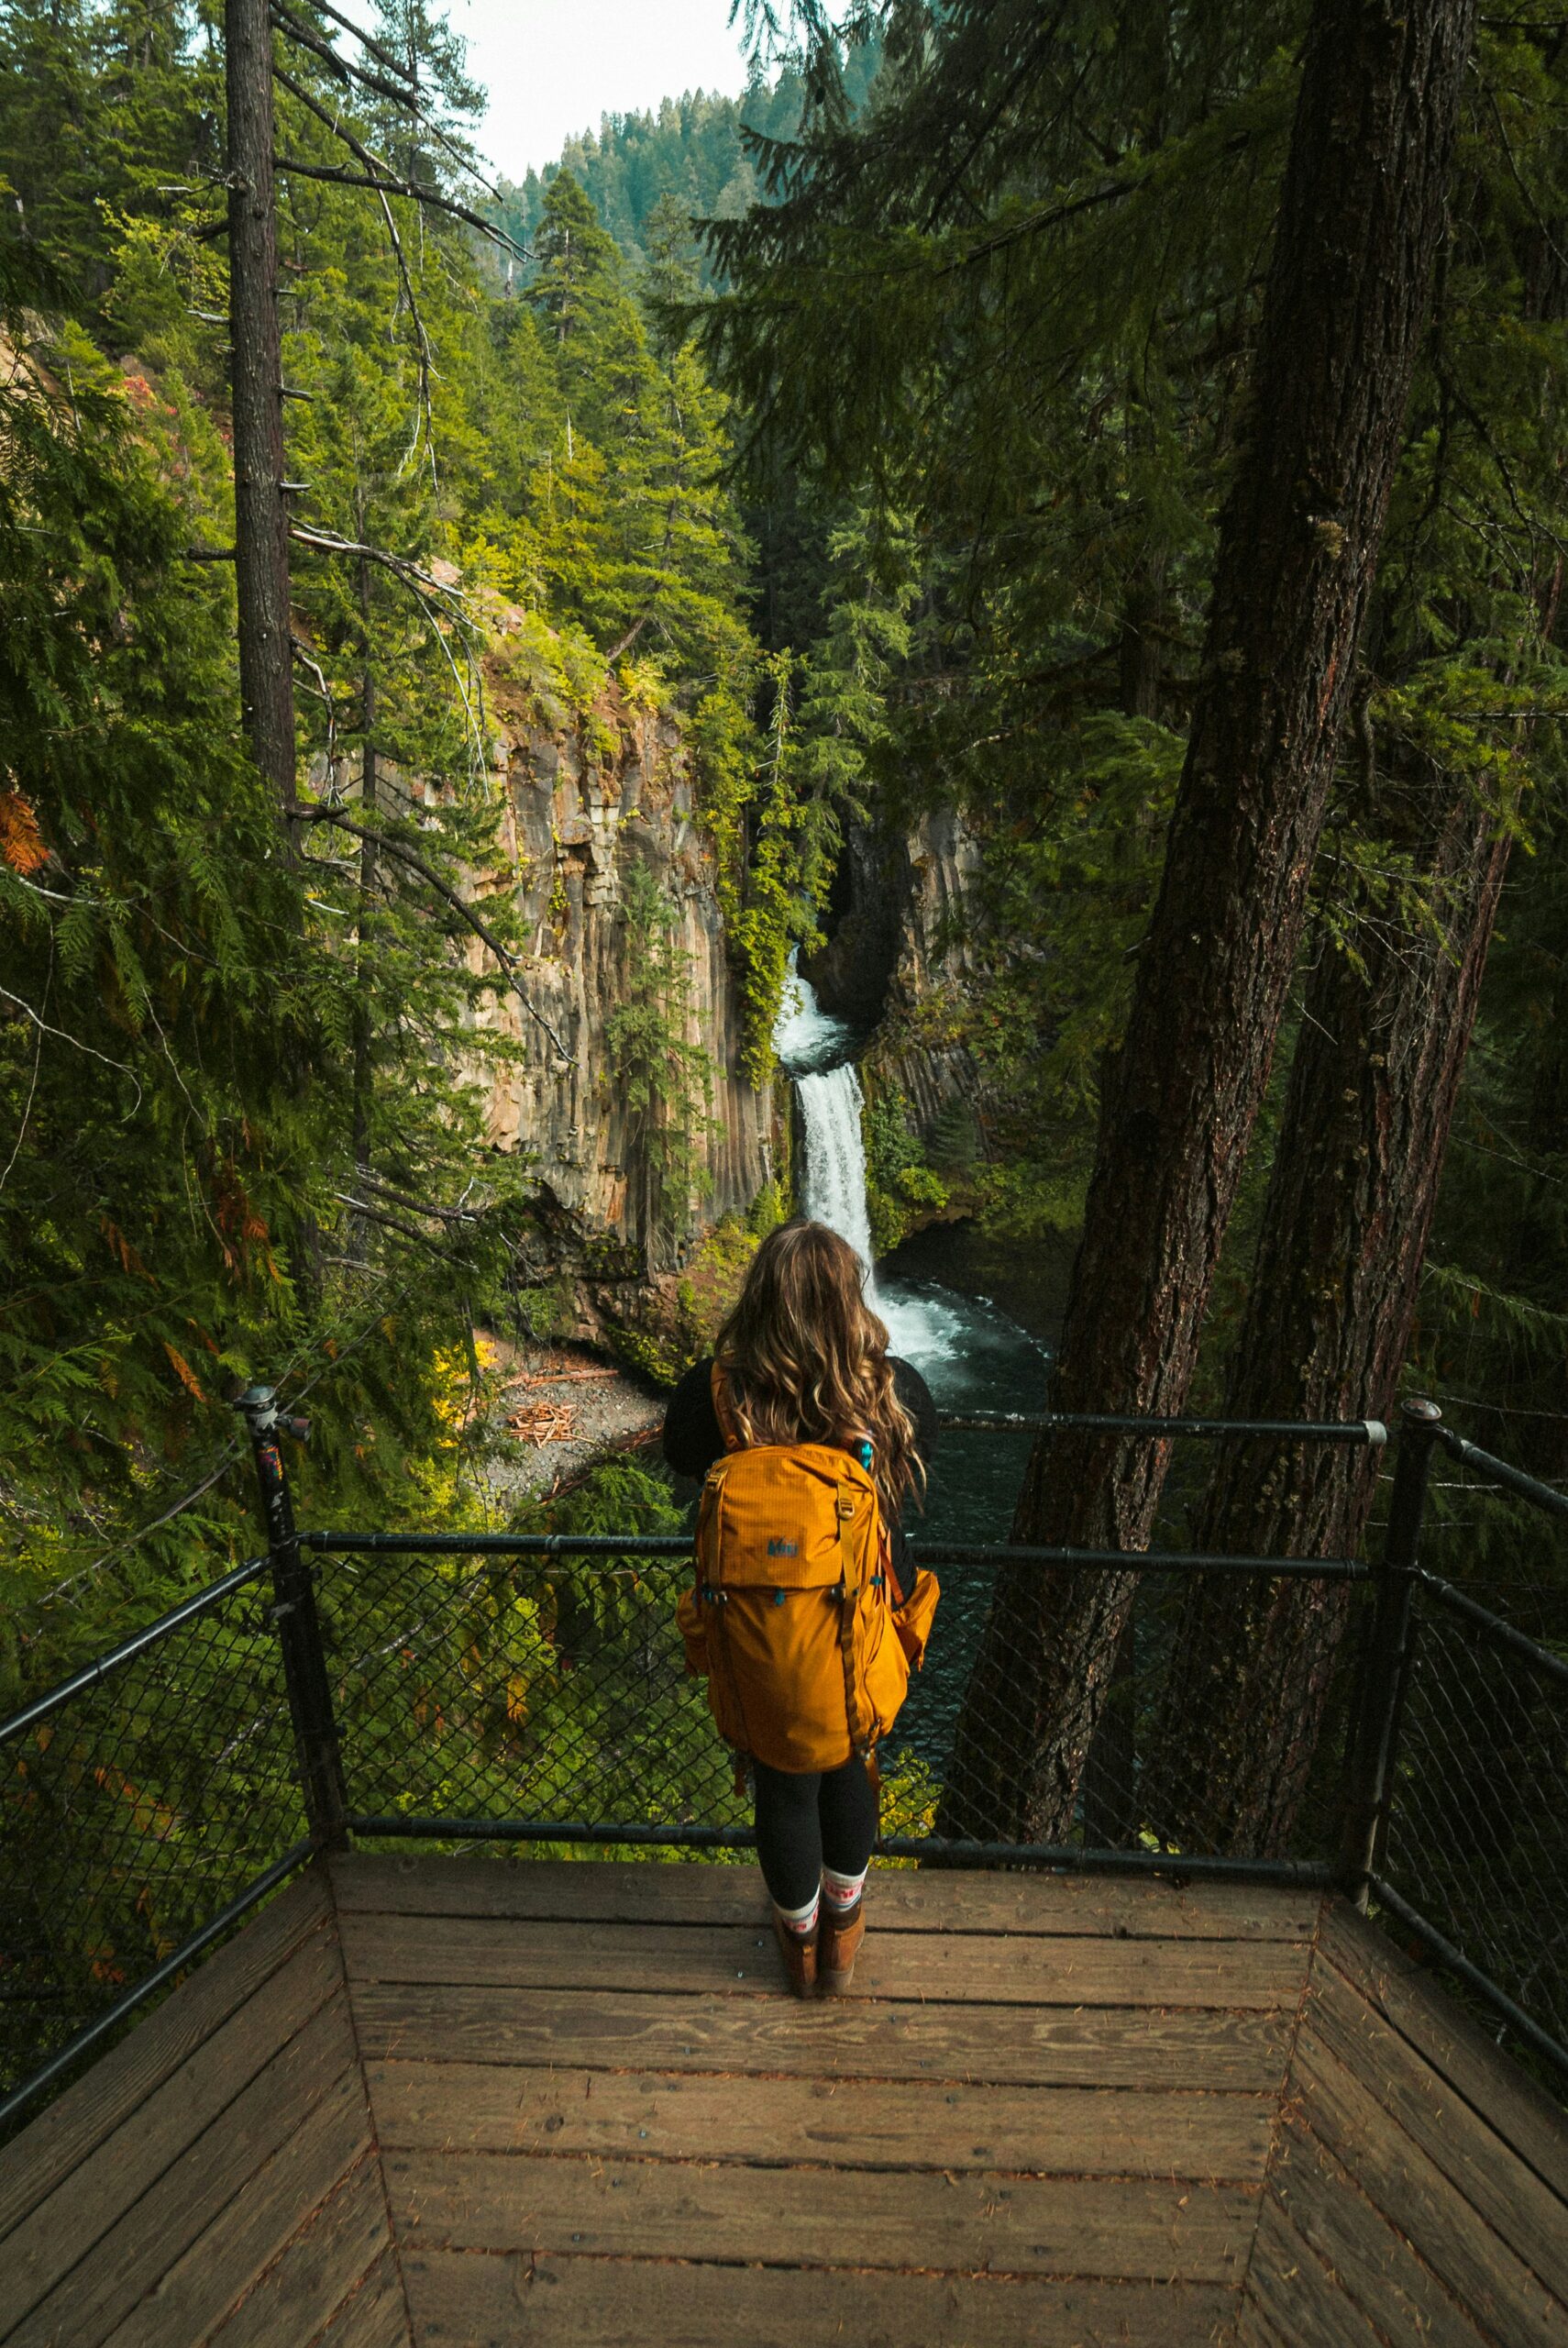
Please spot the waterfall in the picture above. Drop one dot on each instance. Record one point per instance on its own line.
(832, 1190)
(813, 1050)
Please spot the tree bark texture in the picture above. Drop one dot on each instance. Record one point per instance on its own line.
(1361, 215)
(1324, 1332)
(369, 873)
(261, 513)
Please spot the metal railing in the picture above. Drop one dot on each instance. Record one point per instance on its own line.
(506, 1689)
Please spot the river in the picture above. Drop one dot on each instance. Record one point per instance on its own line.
(973, 1354)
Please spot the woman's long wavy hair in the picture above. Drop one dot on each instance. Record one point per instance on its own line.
(805, 1360)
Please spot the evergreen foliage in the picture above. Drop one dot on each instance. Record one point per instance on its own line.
(650, 176)
(241, 1129)
(974, 306)
(1013, 295)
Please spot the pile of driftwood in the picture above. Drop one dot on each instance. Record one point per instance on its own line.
(544, 1422)
(550, 1421)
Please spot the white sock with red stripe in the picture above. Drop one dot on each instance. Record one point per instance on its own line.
(799, 1920)
(842, 1891)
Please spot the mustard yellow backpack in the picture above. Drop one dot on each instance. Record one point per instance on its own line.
(793, 1617)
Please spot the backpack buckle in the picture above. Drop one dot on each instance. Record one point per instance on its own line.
(846, 1507)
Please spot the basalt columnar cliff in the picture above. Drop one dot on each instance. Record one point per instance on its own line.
(588, 796)
(895, 961)
(581, 807)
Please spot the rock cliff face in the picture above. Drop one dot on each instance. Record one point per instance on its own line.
(893, 964)
(583, 802)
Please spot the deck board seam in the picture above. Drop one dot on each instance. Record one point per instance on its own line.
(393, 2246)
(1336, 2281)
(1278, 2130)
(886, 2168)
(898, 1931)
(769, 1995)
(837, 2079)
(160, 2018)
(1347, 2175)
(1511, 2248)
(1138, 2283)
(1094, 2176)
(157, 2282)
(1451, 2083)
(319, 2334)
(307, 2219)
(148, 2184)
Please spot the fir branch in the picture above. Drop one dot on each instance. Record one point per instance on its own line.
(321, 688)
(401, 93)
(422, 339)
(403, 854)
(416, 581)
(66, 1038)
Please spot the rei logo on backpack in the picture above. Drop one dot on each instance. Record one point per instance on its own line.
(794, 1617)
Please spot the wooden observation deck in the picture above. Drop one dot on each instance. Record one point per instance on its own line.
(421, 2100)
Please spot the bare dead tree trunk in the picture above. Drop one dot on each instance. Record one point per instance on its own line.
(1361, 215)
(260, 514)
(1326, 1328)
(369, 873)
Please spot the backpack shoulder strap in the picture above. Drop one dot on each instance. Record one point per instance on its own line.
(848, 1597)
(724, 1411)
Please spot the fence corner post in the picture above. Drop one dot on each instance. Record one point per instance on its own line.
(1374, 1734)
(294, 1611)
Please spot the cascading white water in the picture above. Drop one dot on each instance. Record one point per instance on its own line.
(833, 1188)
(813, 1049)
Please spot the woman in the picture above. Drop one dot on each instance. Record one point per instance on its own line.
(801, 1365)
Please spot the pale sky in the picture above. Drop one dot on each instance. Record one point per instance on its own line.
(552, 67)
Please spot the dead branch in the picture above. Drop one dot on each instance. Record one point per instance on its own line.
(410, 97)
(392, 1223)
(403, 854)
(369, 1181)
(373, 48)
(378, 174)
(328, 542)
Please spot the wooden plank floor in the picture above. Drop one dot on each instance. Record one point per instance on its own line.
(1045, 2114)
(432, 2103)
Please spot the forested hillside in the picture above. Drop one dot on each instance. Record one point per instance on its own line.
(244, 1064)
(650, 176)
(913, 486)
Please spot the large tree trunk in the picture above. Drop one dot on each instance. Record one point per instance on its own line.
(260, 514)
(1326, 1328)
(1361, 214)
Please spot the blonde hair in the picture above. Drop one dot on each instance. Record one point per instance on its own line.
(805, 1360)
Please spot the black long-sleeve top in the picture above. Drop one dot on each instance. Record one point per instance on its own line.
(693, 1438)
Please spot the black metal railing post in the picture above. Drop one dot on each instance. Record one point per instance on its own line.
(1375, 1739)
(299, 1628)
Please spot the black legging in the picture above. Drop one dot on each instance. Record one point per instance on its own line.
(808, 1819)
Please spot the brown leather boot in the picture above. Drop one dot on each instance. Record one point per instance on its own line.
(838, 1946)
(799, 1954)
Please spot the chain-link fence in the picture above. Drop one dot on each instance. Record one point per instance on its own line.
(522, 1693)
(545, 1697)
(1476, 1841)
(457, 1690)
(137, 1805)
